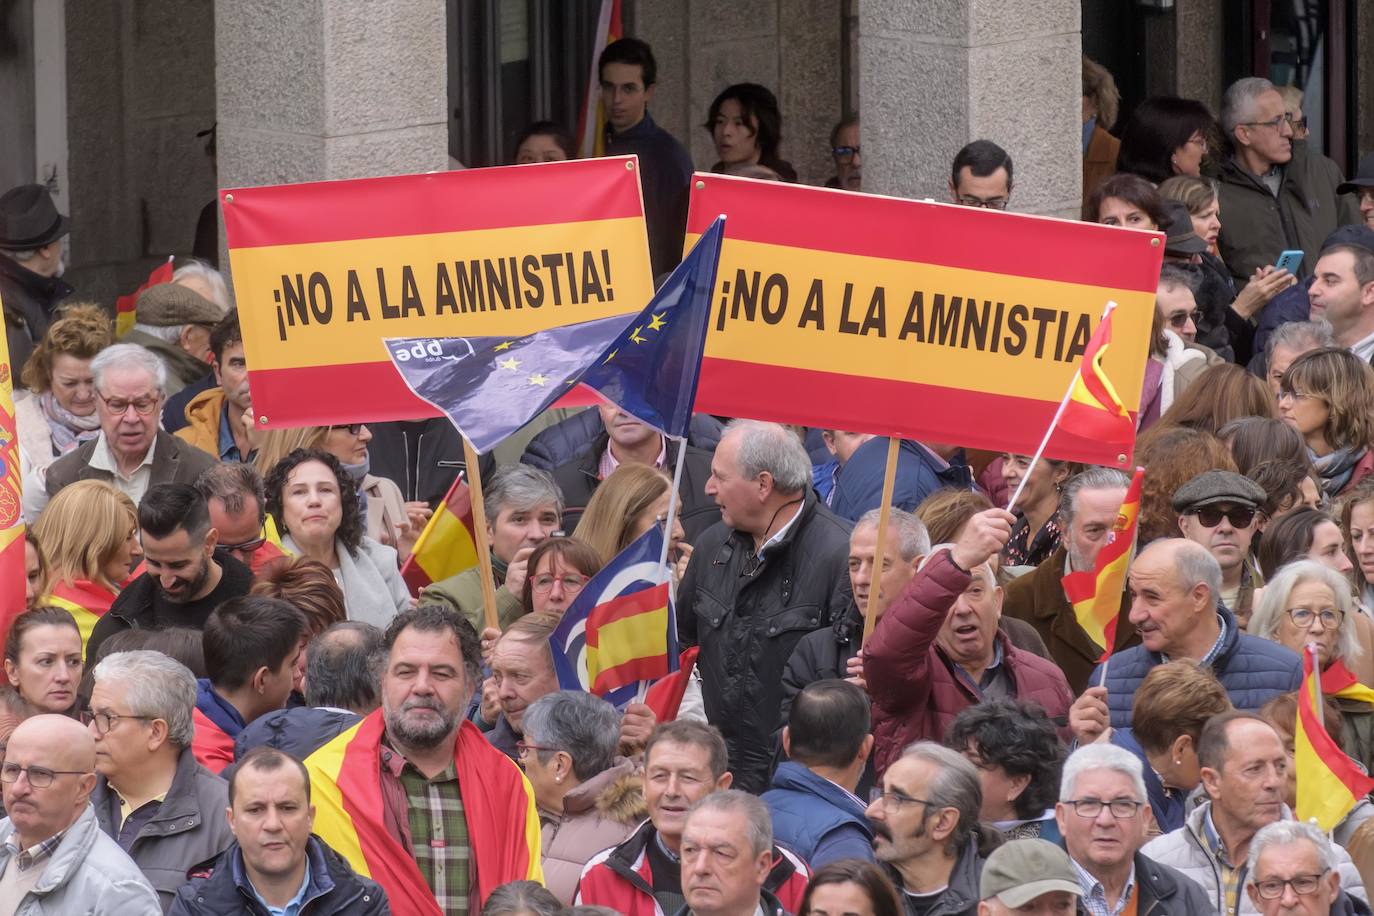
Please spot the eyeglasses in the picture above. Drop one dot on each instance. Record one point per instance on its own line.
(1200, 142)
(1272, 123)
(352, 428)
(1091, 807)
(1303, 617)
(892, 800)
(1290, 394)
(522, 748)
(1303, 885)
(120, 406)
(39, 777)
(1181, 319)
(104, 721)
(992, 203)
(1296, 122)
(845, 154)
(1211, 516)
(248, 546)
(572, 584)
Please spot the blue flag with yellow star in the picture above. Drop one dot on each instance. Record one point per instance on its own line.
(647, 363)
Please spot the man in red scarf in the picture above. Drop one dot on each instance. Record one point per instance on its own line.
(414, 796)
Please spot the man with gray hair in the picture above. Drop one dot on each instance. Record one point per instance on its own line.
(342, 673)
(131, 452)
(151, 796)
(1277, 194)
(938, 650)
(1175, 587)
(1088, 510)
(1293, 868)
(926, 834)
(772, 570)
(727, 853)
(32, 260)
(1288, 342)
(1104, 817)
(834, 651)
(523, 507)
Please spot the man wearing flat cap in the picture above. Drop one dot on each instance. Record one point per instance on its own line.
(31, 265)
(1028, 876)
(1220, 511)
(174, 321)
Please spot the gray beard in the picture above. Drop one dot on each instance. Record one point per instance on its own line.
(422, 737)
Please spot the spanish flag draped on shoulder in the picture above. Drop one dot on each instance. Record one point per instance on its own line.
(1340, 682)
(86, 601)
(1096, 595)
(1329, 782)
(498, 806)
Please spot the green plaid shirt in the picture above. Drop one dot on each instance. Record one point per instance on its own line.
(439, 835)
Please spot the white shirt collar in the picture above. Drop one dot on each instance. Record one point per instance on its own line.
(102, 459)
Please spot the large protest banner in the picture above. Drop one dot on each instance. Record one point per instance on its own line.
(323, 271)
(929, 321)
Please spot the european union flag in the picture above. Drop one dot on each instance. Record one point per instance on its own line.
(651, 372)
(620, 630)
(647, 363)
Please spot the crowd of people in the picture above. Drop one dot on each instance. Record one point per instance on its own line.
(224, 697)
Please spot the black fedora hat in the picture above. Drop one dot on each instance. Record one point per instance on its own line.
(29, 219)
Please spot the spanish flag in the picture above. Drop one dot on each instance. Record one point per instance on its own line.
(86, 601)
(1329, 782)
(12, 566)
(1339, 681)
(1093, 409)
(498, 804)
(447, 546)
(1096, 595)
(591, 124)
(126, 307)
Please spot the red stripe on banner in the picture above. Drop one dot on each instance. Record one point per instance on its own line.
(648, 668)
(834, 401)
(403, 205)
(642, 602)
(925, 232)
(375, 394)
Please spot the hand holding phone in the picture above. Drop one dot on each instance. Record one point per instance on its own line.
(1290, 260)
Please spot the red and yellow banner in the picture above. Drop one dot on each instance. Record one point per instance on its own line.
(931, 321)
(324, 271)
(12, 568)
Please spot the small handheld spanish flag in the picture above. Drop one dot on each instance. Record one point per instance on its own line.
(1096, 595)
(1330, 784)
(1093, 409)
(447, 546)
(126, 307)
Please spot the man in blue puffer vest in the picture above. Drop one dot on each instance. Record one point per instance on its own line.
(1175, 585)
(815, 812)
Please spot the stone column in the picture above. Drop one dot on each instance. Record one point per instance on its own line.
(329, 89)
(936, 74)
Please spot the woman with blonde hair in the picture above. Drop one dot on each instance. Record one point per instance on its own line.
(58, 412)
(1327, 395)
(89, 532)
(630, 501)
(388, 518)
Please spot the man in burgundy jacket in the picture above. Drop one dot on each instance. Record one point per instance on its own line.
(937, 650)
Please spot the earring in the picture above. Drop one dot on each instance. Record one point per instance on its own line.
(1178, 763)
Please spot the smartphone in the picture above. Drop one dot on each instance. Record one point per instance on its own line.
(1290, 261)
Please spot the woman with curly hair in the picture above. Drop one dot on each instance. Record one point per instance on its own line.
(58, 412)
(315, 504)
(1172, 456)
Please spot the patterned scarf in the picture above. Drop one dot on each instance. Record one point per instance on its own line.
(1337, 468)
(68, 430)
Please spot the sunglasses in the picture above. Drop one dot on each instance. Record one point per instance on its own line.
(1211, 516)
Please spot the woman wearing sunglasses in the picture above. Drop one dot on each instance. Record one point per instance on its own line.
(1327, 395)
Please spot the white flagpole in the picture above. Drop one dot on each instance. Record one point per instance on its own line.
(672, 511)
(1053, 423)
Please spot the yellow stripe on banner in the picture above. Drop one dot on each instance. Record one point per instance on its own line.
(358, 318)
(624, 640)
(822, 310)
(332, 821)
(448, 548)
(85, 619)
